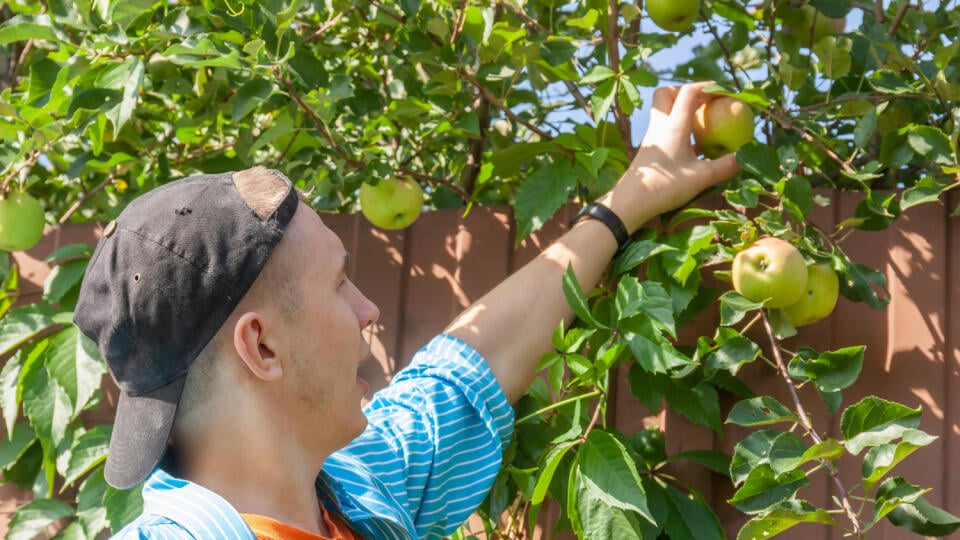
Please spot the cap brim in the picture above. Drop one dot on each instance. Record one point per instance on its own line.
(140, 434)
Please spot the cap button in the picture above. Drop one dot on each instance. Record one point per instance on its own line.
(109, 229)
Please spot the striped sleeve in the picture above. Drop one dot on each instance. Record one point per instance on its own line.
(435, 438)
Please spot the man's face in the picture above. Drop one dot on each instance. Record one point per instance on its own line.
(325, 336)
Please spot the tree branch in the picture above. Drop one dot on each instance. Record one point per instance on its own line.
(805, 422)
(330, 24)
(723, 48)
(436, 181)
(320, 126)
(613, 51)
(808, 137)
(488, 95)
(86, 197)
(898, 18)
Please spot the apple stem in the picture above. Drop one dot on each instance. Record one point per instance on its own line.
(805, 422)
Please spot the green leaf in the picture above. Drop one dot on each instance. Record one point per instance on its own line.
(855, 284)
(874, 421)
(21, 324)
(835, 60)
(593, 517)
(831, 371)
(249, 97)
(924, 519)
(62, 279)
(47, 406)
(699, 404)
(760, 411)
(597, 74)
(122, 505)
(602, 99)
(877, 212)
(732, 353)
(9, 381)
(763, 488)
(761, 161)
(734, 307)
(27, 27)
(932, 143)
(69, 252)
(90, 510)
(649, 298)
(577, 299)
(714, 460)
(610, 475)
(892, 493)
(926, 190)
(12, 448)
(133, 81)
(557, 51)
(88, 451)
(829, 449)
(31, 519)
(879, 460)
(789, 514)
(69, 362)
(636, 253)
(410, 7)
(541, 195)
(786, 453)
(751, 452)
(690, 518)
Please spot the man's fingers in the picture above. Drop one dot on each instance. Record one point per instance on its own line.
(688, 98)
(720, 168)
(663, 99)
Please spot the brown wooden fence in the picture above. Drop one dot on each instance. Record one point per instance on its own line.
(422, 276)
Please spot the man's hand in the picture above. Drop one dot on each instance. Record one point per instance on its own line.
(665, 173)
(511, 325)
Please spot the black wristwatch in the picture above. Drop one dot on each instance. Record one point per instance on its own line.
(606, 216)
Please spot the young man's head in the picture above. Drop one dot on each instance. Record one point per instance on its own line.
(224, 293)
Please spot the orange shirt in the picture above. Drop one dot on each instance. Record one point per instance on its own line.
(270, 529)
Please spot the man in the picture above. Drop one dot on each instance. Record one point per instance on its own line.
(222, 306)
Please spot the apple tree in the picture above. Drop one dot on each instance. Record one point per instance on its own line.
(532, 104)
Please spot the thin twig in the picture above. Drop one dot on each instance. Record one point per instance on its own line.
(810, 138)
(805, 422)
(330, 24)
(613, 51)
(858, 97)
(488, 95)
(86, 197)
(901, 11)
(436, 181)
(29, 162)
(723, 49)
(321, 127)
(878, 11)
(461, 18)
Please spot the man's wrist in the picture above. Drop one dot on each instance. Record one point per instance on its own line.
(601, 213)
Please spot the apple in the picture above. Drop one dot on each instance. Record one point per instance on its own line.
(673, 15)
(772, 271)
(809, 25)
(21, 222)
(722, 125)
(392, 203)
(818, 299)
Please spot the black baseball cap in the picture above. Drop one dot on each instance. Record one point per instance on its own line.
(164, 277)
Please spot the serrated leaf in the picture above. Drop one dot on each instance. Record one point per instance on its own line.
(732, 353)
(763, 488)
(699, 404)
(760, 411)
(714, 460)
(651, 349)
(32, 519)
(855, 284)
(22, 323)
(47, 406)
(9, 381)
(761, 161)
(592, 517)
(874, 421)
(786, 453)
(828, 449)
(879, 460)
(924, 519)
(576, 298)
(62, 279)
(636, 253)
(18, 442)
(648, 298)
(609, 473)
(892, 493)
(689, 518)
(88, 451)
(122, 505)
(835, 60)
(249, 97)
(932, 143)
(597, 73)
(778, 520)
(541, 195)
(28, 27)
(750, 453)
(602, 99)
(832, 370)
(734, 307)
(926, 190)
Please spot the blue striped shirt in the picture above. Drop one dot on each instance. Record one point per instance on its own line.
(429, 455)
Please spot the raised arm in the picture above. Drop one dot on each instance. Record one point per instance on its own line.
(511, 325)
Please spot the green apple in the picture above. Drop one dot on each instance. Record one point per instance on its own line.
(722, 125)
(391, 204)
(673, 15)
(809, 25)
(21, 222)
(772, 271)
(818, 299)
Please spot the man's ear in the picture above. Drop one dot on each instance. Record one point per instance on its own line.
(256, 345)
